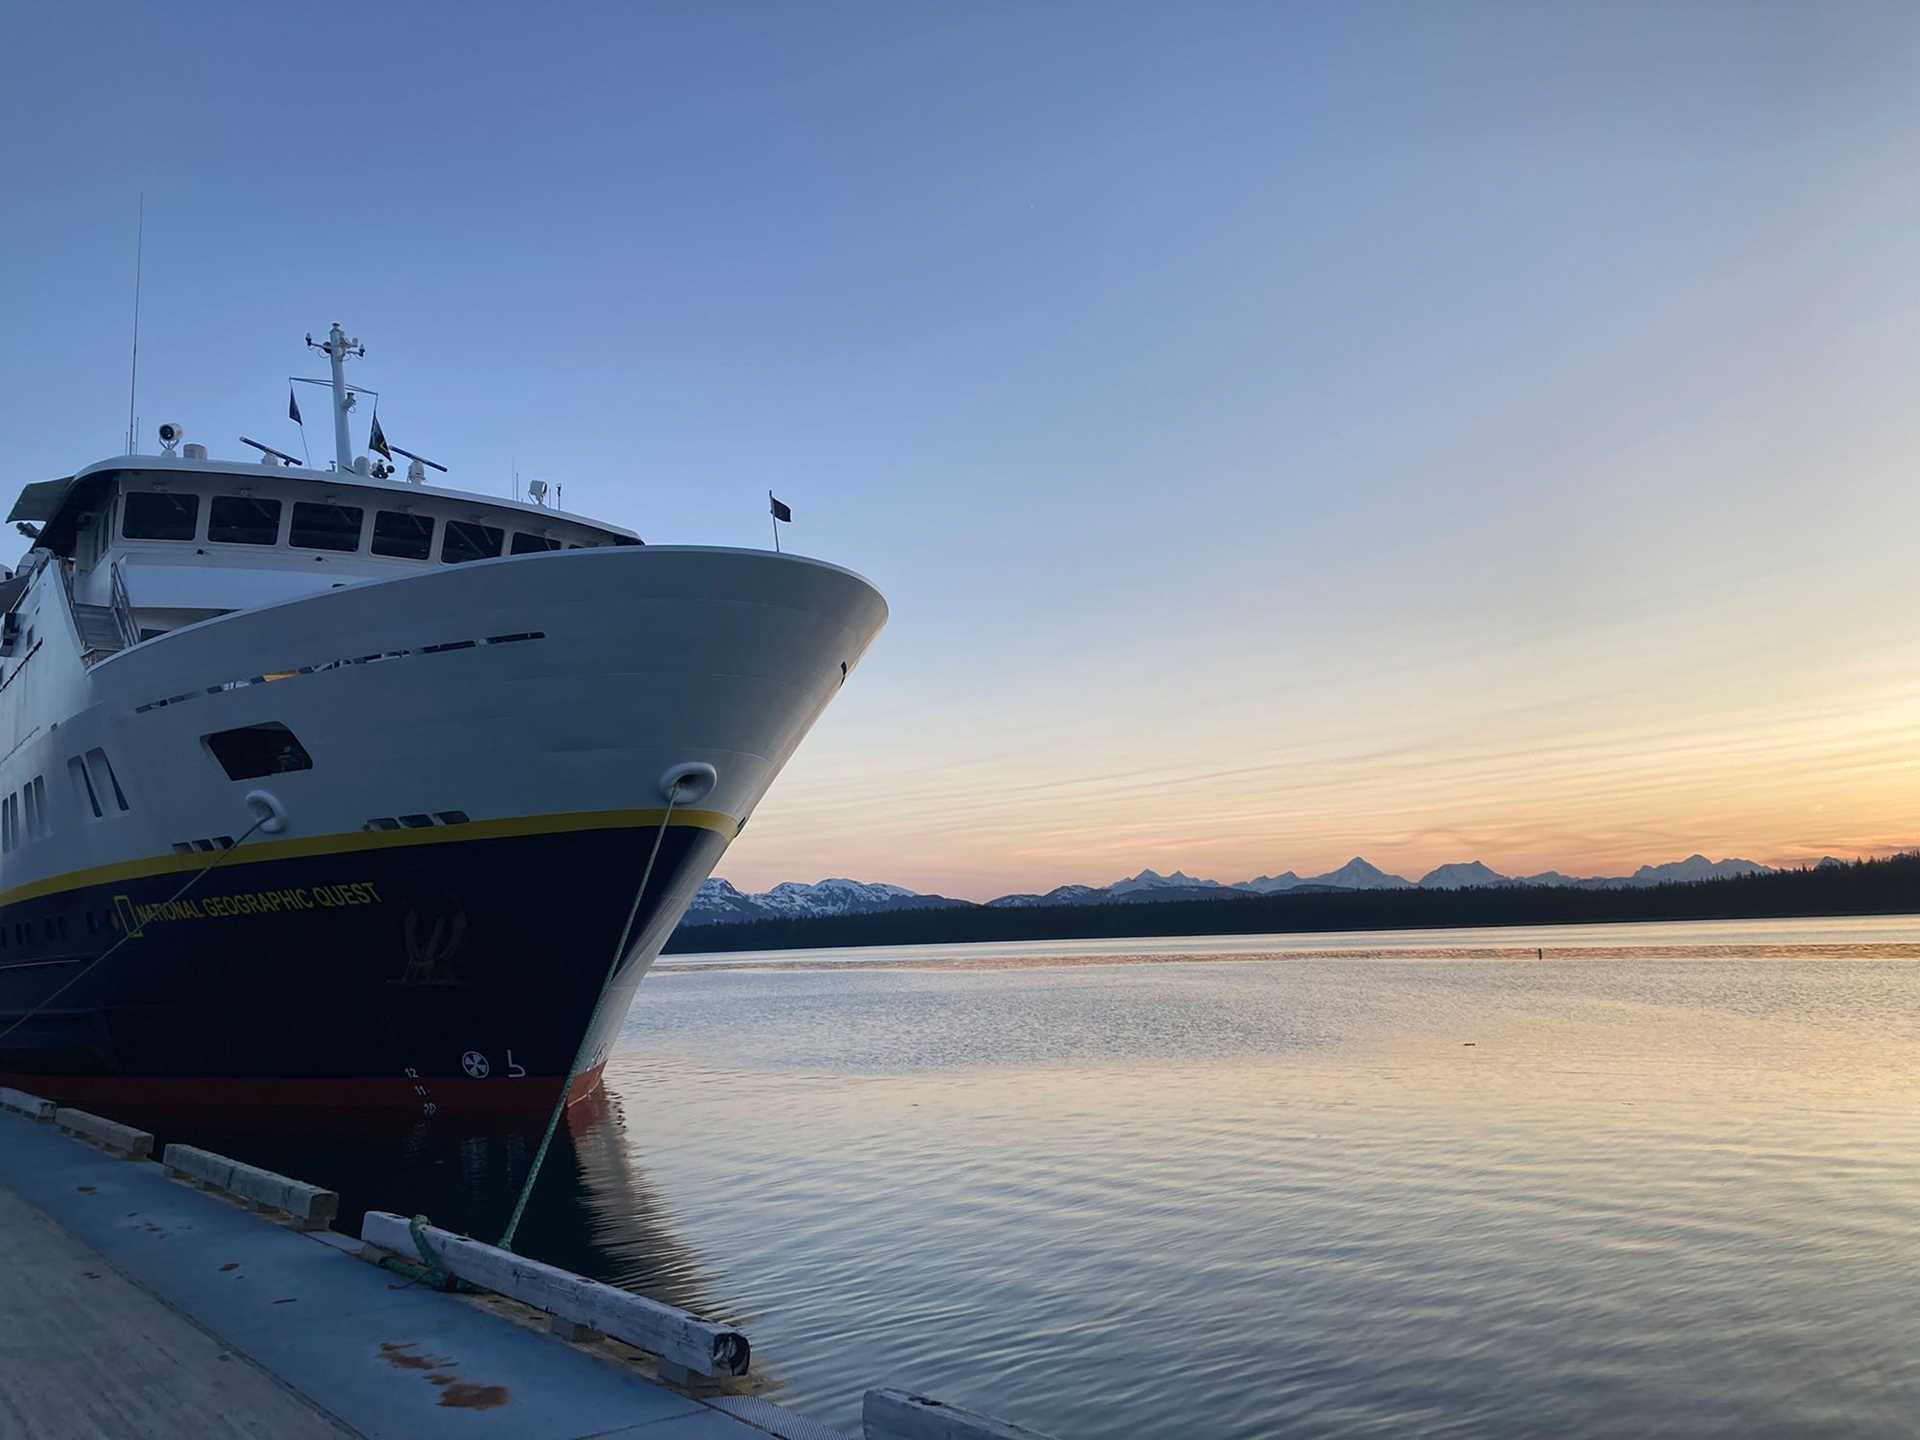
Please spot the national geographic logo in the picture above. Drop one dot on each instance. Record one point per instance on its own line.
(134, 919)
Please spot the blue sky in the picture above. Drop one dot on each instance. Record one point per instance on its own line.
(1281, 431)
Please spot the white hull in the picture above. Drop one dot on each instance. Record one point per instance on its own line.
(535, 694)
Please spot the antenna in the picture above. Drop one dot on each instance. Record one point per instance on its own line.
(139, 254)
(337, 347)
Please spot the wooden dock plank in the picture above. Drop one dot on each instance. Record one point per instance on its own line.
(388, 1359)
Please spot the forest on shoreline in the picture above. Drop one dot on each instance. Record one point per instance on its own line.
(1869, 887)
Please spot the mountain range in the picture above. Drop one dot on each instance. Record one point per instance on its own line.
(719, 902)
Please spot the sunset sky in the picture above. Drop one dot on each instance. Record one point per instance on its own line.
(1281, 431)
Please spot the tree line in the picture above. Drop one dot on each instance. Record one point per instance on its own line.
(1871, 887)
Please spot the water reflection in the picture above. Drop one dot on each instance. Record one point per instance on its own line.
(593, 1210)
(1669, 1189)
(610, 1222)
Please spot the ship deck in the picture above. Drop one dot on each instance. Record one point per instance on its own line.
(140, 1306)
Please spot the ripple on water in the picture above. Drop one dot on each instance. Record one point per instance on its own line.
(1269, 1189)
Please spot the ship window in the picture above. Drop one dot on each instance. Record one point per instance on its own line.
(243, 520)
(152, 515)
(525, 544)
(416, 822)
(256, 750)
(325, 527)
(403, 536)
(38, 821)
(105, 782)
(83, 786)
(466, 540)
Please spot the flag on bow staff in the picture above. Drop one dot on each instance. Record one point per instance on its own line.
(780, 510)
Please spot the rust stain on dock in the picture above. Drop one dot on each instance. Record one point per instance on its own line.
(399, 1354)
(475, 1397)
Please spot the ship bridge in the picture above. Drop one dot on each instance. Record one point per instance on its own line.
(164, 541)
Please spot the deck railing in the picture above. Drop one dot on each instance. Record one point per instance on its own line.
(123, 608)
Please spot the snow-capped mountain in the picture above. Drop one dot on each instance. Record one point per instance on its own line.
(1674, 872)
(1695, 867)
(1270, 884)
(1460, 875)
(1059, 895)
(1146, 887)
(833, 897)
(1357, 874)
(1150, 885)
(1154, 880)
(718, 902)
(1551, 877)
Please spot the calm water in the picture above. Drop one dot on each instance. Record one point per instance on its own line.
(1665, 1180)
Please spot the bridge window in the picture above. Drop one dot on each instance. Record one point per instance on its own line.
(256, 750)
(402, 536)
(243, 520)
(325, 527)
(152, 515)
(525, 544)
(465, 540)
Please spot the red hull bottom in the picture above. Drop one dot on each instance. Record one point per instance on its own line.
(527, 1093)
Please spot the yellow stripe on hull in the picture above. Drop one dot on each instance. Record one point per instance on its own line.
(255, 851)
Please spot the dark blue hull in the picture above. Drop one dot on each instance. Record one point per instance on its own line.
(453, 968)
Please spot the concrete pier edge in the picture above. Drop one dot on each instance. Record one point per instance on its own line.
(368, 1385)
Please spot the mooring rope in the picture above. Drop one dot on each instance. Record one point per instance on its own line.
(126, 935)
(573, 1067)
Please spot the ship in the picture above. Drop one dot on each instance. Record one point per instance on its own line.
(333, 787)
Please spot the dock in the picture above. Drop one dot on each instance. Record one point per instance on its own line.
(140, 1302)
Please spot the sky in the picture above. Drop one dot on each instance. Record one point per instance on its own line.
(1282, 431)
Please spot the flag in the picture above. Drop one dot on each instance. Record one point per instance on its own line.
(293, 409)
(781, 510)
(376, 440)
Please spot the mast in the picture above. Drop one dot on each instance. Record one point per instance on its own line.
(338, 347)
